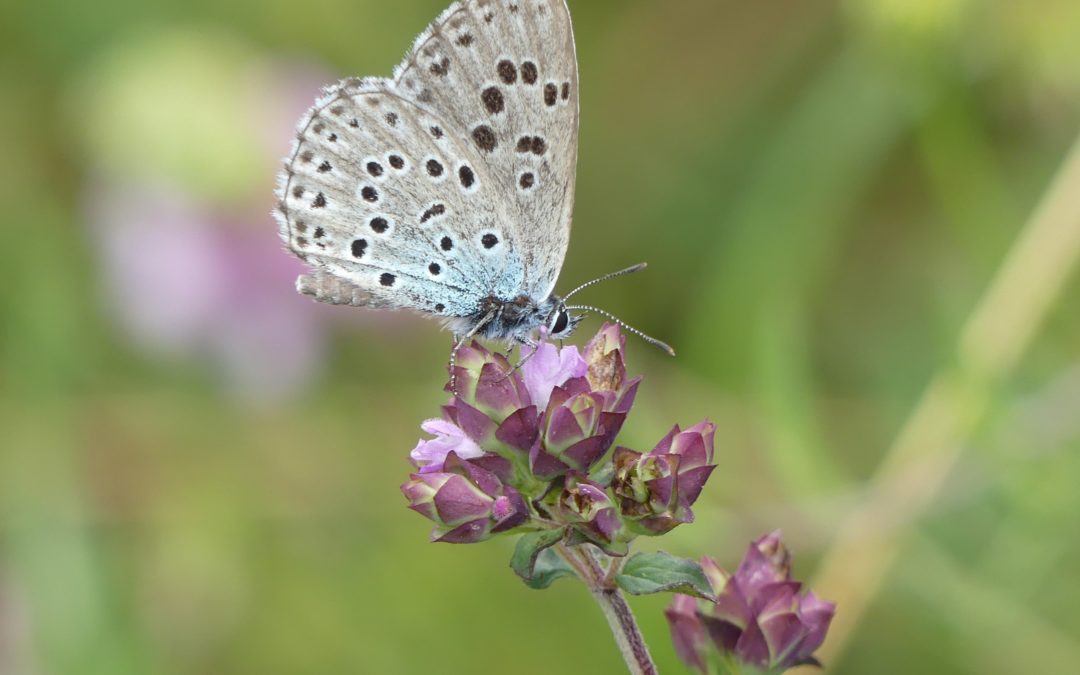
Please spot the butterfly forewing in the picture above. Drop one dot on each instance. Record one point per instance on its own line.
(505, 72)
(454, 180)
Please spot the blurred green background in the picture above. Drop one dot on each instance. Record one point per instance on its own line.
(199, 470)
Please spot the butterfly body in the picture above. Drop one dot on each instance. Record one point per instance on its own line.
(449, 188)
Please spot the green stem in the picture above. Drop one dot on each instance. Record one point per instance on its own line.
(627, 635)
(613, 604)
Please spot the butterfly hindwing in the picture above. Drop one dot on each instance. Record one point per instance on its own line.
(375, 196)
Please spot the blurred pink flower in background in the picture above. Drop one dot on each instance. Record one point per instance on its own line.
(185, 281)
(185, 132)
(15, 628)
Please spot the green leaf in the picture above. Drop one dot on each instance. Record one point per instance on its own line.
(549, 567)
(660, 572)
(535, 562)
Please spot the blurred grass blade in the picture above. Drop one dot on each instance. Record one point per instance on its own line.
(1002, 634)
(784, 236)
(1001, 328)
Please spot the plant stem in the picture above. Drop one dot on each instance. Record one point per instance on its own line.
(621, 619)
(616, 610)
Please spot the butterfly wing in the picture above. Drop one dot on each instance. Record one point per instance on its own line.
(377, 193)
(505, 73)
(400, 187)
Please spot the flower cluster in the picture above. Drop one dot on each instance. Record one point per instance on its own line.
(529, 448)
(759, 620)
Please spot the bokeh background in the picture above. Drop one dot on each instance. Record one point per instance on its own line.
(855, 241)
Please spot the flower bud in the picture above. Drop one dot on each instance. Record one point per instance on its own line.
(579, 427)
(585, 412)
(656, 490)
(487, 382)
(766, 562)
(492, 407)
(467, 503)
(760, 619)
(591, 514)
(688, 633)
(694, 447)
(604, 356)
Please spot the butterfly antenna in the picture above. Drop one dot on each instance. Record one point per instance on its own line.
(651, 340)
(629, 270)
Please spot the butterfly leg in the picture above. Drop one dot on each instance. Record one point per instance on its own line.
(460, 341)
(524, 342)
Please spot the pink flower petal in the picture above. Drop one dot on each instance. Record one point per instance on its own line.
(548, 368)
(429, 455)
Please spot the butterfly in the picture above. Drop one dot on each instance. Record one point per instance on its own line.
(449, 188)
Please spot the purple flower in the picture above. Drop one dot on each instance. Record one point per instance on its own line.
(583, 415)
(493, 409)
(487, 386)
(548, 367)
(760, 618)
(656, 490)
(467, 503)
(429, 455)
(544, 418)
(544, 431)
(589, 509)
(687, 633)
(580, 426)
(604, 354)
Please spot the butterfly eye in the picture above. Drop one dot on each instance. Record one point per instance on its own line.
(561, 323)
